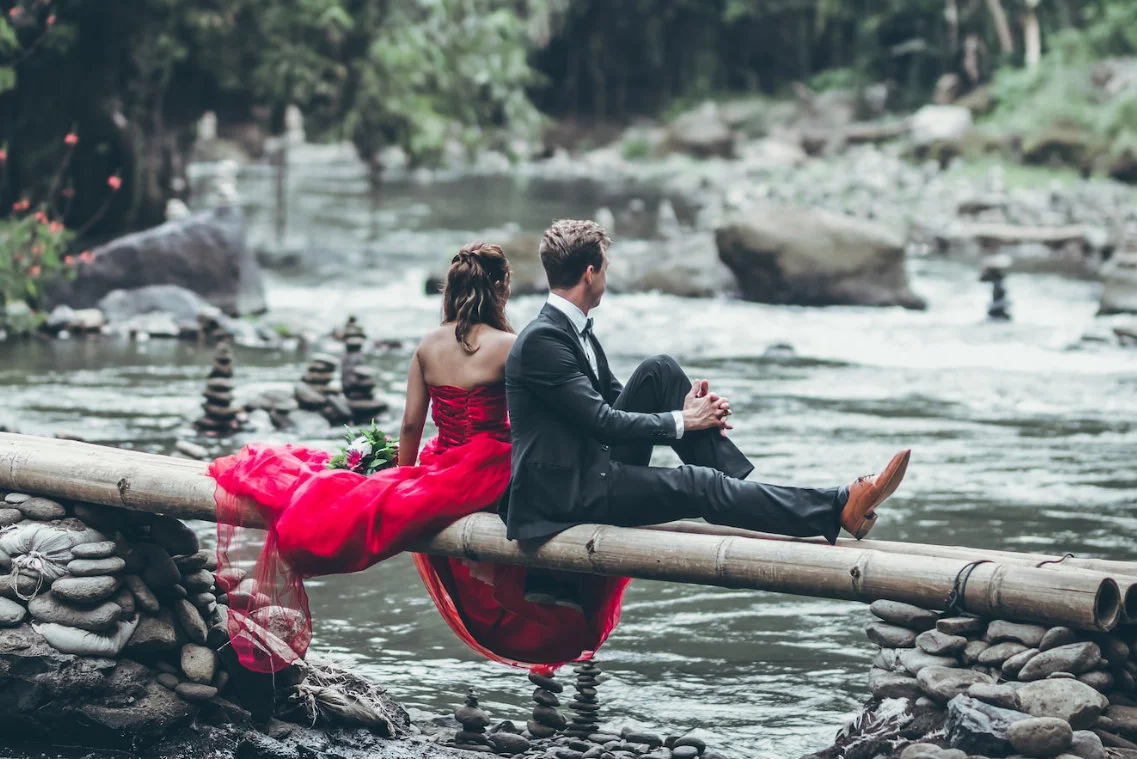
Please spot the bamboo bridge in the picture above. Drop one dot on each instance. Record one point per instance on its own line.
(1087, 594)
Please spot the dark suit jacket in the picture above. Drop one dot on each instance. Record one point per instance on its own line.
(563, 426)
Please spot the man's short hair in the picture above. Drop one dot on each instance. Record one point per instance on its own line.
(569, 247)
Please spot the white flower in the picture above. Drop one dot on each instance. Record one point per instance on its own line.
(361, 444)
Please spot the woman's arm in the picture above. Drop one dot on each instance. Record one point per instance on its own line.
(414, 417)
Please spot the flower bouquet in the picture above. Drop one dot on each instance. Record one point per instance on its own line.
(366, 452)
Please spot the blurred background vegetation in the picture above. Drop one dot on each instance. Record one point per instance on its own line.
(132, 77)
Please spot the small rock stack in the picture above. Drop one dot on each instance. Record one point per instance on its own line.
(221, 418)
(586, 707)
(278, 404)
(996, 688)
(358, 380)
(474, 721)
(314, 387)
(546, 721)
(353, 340)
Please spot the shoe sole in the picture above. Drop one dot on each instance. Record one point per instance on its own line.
(889, 488)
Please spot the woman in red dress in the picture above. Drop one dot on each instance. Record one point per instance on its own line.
(330, 521)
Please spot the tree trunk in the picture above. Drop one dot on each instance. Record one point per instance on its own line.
(1032, 35)
(1002, 27)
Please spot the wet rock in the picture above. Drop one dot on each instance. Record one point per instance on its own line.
(85, 590)
(1075, 658)
(1099, 680)
(1124, 719)
(544, 697)
(1029, 635)
(112, 565)
(914, 660)
(17, 498)
(940, 644)
(1113, 650)
(997, 654)
(979, 728)
(198, 581)
(154, 635)
(888, 659)
(160, 573)
(42, 509)
(11, 613)
(971, 652)
(199, 663)
(195, 692)
(508, 743)
(684, 752)
(810, 257)
(191, 621)
(1003, 696)
(1075, 702)
(961, 625)
(168, 680)
(547, 683)
(173, 535)
(1040, 736)
(1119, 284)
(103, 549)
(890, 636)
(1087, 745)
(48, 608)
(1013, 665)
(944, 684)
(10, 516)
(646, 739)
(200, 560)
(145, 599)
(885, 684)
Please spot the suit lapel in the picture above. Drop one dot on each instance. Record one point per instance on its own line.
(560, 319)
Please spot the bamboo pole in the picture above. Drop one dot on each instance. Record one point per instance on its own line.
(146, 482)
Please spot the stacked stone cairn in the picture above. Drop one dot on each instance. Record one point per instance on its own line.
(950, 687)
(359, 405)
(546, 721)
(315, 386)
(586, 707)
(221, 417)
(474, 722)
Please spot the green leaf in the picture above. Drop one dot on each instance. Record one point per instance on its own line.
(7, 79)
(8, 42)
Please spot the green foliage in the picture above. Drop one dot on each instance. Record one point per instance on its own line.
(636, 148)
(32, 254)
(837, 79)
(367, 452)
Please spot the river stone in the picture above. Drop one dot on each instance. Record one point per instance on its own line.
(100, 550)
(890, 636)
(43, 509)
(166, 680)
(17, 498)
(201, 560)
(48, 608)
(19, 588)
(160, 573)
(970, 653)
(1029, 635)
(944, 683)
(195, 692)
(508, 743)
(930, 751)
(1003, 696)
(1013, 665)
(904, 615)
(125, 599)
(1113, 650)
(547, 683)
(1099, 680)
(1124, 720)
(939, 643)
(546, 698)
(885, 684)
(1057, 636)
(888, 658)
(112, 565)
(199, 663)
(1000, 652)
(1040, 736)
(1086, 745)
(145, 599)
(198, 581)
(684, 752)
(11, 613)
(1074, 657)
(979, 728)
(85, 590)
(174, 535)
(191, 621)
(961, 625)
(1075, 702)
(154, 635)
(914, 660)
(10, 516)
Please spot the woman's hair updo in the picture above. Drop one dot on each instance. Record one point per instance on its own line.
(477, 287)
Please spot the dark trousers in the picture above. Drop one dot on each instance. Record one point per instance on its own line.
(711, 483)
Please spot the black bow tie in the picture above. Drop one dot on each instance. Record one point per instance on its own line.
(587, 331)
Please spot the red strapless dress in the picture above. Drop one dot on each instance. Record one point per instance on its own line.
(324, 521)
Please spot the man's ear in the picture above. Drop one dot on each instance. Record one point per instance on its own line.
(589, 273)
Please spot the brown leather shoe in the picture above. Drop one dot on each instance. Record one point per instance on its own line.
(870, 491)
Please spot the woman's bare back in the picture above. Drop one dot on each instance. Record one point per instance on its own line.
(445, 361)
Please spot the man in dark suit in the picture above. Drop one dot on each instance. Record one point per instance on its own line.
(582, 442)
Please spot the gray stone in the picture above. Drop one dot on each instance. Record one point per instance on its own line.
(888, 658)
(48, 608)
(1113, 650)
(85, 590)
(1057, 636)
(914, 660)
(1003, 696)
(174, 535)
(10, 516)
(904, 615)
(101, 550)
(890, 636)
(199, 663)
(971, 652)
(125, 599)
(1074, 658)
(168, 680)
(198, 581)
(1040, 736)
(195, 693)
(145, 599)
(1099, 680)
(1087, 745)
(43, 509)
(944, 684)
(684, 752)
(1013, 665)
(112, 565)
(508, 743)
(961, 625)
(1124, 719)
(134, 710)
(1075, 702)
(979, 728)
(885, 684)
(17, 498)
(191, 621)
(939, 643)
(1000, 652)
(154, 635)
(11, 613)
(160, 573)
(922, 751)
(1029, 635)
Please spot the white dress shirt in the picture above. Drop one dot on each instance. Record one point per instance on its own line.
(579, 322)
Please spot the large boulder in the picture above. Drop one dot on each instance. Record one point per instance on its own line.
(810, 257)
(204, 252)
(1119, 285)
(940, 123)
(702, 133)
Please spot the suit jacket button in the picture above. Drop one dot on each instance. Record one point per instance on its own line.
(603, 475)
(603, 447)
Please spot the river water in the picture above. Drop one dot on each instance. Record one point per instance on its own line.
(1022, 438)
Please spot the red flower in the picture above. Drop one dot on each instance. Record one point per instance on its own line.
(34, 271)
(15, 12)
(67, 192)
(353, 458)
(69, 260)
(86, 256)
(114, 182)
(71, 139)
(55, 227)
(21, 205)
(3, 155)
(41, 217)
(37, 250)
(51, 19)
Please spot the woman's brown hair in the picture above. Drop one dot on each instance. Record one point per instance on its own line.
(477, 287)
